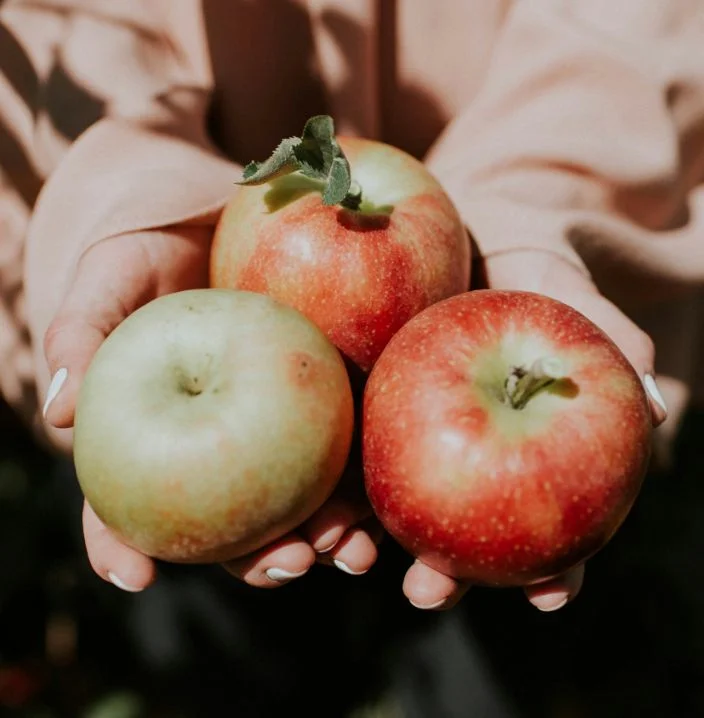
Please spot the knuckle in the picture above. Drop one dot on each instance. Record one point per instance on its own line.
(54, 335)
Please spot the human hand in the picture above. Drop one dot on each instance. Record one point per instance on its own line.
(114, 278)
(553, 276)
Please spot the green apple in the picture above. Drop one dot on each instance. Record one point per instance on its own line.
(210, 423)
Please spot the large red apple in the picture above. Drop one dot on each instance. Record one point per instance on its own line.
(210, 423)
(357, 235)
(505, 437)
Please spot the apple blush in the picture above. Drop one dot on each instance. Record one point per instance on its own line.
(505, 437)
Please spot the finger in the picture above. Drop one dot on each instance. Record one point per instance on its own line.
(113, 561)
(101, 296)
(113, 279)
(356, 552)
(326, 528)
(635, 344)
(282, 561)
(558, 592)
(428, 589)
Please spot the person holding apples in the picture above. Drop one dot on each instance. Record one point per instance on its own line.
(568, 136)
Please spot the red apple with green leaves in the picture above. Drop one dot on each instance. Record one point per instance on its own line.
(505, 437)
(355, 234)
(210, 423)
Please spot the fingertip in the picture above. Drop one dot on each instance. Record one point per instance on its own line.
(326, 540)
(275, 565)
(69, 346)
(656, 400)
(429, 590)
(550, 601)
(281, 575)
(60, 401)
(326, 528)
(55, 385)
(121, 565)
(556, 593)
(133, 575)
(355, 553)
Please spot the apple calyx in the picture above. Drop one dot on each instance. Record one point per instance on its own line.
(189, 384)
(522, 383)
(317, 155)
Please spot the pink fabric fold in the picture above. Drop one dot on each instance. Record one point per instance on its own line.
(138, 180)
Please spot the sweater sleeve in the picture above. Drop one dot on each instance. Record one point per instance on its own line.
(586, 140)
(107, 110)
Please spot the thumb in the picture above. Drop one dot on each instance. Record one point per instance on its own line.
(111, 281)
(635, 344)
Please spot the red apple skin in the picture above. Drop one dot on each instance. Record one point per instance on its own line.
(360, 276)
(482, 491)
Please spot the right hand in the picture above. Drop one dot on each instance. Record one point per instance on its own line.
(114, 278)
(548, 274)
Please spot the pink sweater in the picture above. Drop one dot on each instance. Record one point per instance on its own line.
(573, 127)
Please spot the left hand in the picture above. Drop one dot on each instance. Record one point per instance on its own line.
(113, 279)
(547, 274)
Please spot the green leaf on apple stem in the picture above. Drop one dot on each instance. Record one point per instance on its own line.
(338, 183)
(318, 148)
(316, 155)
(282, 162)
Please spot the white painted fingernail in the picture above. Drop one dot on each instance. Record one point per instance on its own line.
(280, 575)
(344, 567)
(121, 584)
(652, 389)
(429, 607)
(54, 388)
(327, 549)
(547, 603)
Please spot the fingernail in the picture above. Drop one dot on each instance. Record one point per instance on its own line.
(652, 388)
(549, 602)
(328, 540)
(327, 548)
(344, 567)
(428, 607)
(57, 382)
(280, 575)
(121, 584)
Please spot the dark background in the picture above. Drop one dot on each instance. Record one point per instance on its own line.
(200, 644)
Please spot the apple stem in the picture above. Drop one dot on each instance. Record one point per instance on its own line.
(353, 199)
(522, 384)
